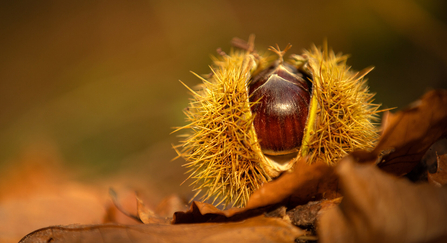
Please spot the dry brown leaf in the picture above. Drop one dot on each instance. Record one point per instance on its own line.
(134, 208)
(148, 216)
(378, 207)
(126, 206)
(258, 229)
(408, 134)
(171, 204)
(440, 177)
(305, 183)
(430, 159)
(201, 212)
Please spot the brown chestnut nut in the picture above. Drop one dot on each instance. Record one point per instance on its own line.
(281, 99)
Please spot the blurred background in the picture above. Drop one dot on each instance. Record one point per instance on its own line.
(92, 86)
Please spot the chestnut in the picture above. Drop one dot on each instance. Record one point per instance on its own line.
(256, 114)
(281, 100)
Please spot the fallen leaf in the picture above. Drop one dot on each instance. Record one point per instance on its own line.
(379, 207)
(305, 183)
(136, 209)
(407, 135)
(428, 165)
(201, 212)
(148, 216)
(439, 178)
(130, 210)
(430, 158)
(279, 212)
(171, 204)
(258, 229)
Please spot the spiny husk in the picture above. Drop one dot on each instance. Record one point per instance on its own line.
(222, 150)
(342, 114)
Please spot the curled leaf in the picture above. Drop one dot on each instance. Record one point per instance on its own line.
(171, 204)
(305, 183)
(114, 196)
(408, 134)
(378, 207)
(147, 216)
(439, 178)
(201, 212)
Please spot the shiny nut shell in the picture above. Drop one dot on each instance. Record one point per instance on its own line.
(281, 103)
